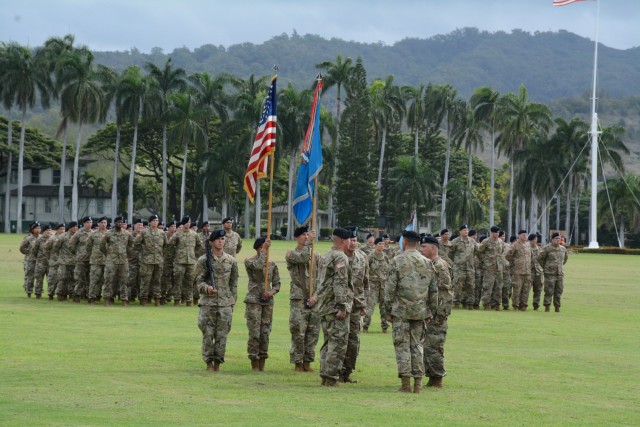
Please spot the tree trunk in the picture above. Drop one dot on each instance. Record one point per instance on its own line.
(445, 180)
(545, 220)
(416, 140)
(523, 214)
(76, 175)
(164, 172)
(20, 171)
(7, 192)
(493, 178)
(114, 187)
(292, 168)
(621, 237)
(470, 177)
(63, 166)
(509, 220)
(183, 183)
(258, 209)
(247, 226)
(132, 169)
(558, 207)
(533, 214)
(575, 219)
(567, 218)
(381, 163)
(336, 162)
(205, 201)
(517, 217)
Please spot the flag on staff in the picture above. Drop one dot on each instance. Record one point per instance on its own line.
(264, 144)
(311, 163)
(566, 2)
(409, 227)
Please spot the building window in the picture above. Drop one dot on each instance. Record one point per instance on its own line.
(56, 176)
(35, 176)
(47, 205)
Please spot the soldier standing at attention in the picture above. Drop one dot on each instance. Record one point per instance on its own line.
(217, 281)
(42, 259)
(537, 273)
(304, 322)
(411, 297)
(388, 250)
(115, 244)
(186, 243)
(491, 252)
(462, 253)
(204, 237)
(334, 298)
(445, 247)
(378, 270)
(152, 241)
(66, 262)
(437, 330)
(552, 258)
(519, 256)
(97, 262)
(29, 262)
(133, 282)
(233, 242)
(259, 303)
(369, 246)
(506, 274)
(168, 257)
(52, 274)
(78, 245)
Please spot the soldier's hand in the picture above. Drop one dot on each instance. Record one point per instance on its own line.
(390, 319)
(212, 291)
(363, 312)
(429, 321)
(267, 294)
(341, 315)
(312, 234)
(313, 300)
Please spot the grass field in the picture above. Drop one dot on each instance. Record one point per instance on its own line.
(75, 364)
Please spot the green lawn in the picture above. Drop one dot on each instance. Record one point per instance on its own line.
(75, 364)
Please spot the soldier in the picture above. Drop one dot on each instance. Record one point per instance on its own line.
(66, 262)
(186, 243)
(537, 273)
(29, 263)
(97, 261)
(217, 281)
(42, 259)
(437, 330)
(445, 247)
(115, 244)
(259, 303)
(491, 252)
(304, 322)
(233, 242)
(334, 298)
(52, 273)
(133, 281)
(359, 265)
(78, 245)
(204, 237)
(369, 246)
(462, 253)
(477, 284)
(388, 250)
(411, 299)
(379, 265)
(519, 256)
(152, 242)
(506, 274)
(552, 259)
(167, 271)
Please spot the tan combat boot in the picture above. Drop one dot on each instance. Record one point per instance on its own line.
(216, 366)
(330, 382)
(437, 382)
(210, 367)
(299, 367)
(261, 363)
(417, 385)
(406, 385)
(306, 366)
(255, 365)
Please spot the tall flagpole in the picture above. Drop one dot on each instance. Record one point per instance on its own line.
(272, 156)
(313, 241)
(593, 216)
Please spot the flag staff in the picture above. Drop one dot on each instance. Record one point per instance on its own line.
(313, 212)
(593, 214)
(272, 155)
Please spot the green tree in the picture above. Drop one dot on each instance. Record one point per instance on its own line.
(8, 104)
(620, 197)
(415, 184)
(416, 114)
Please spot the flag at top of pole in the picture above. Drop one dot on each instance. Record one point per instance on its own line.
(310, 164)
(264, 144)
(566, 2)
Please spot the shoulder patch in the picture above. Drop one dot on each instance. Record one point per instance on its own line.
(340, 265)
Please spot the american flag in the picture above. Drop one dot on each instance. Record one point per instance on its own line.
(264, 144)
(565, 2)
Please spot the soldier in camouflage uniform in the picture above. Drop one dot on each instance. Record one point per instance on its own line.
(411, 298)
(29, 263)
(437, 330)
(537, 273)
(66, 262)
(334, 298)
(369, 246)
(445, 247)
(216, 302)
(167, 271)
(519, 256)
(115, 244)
(203, 234)
(78, 245)
(259, 303)
(233, 242)
(42, 259)
(133, 281)
(52, 273)
(97, 261)
(186, 244)
(304, 322)
(152, 242)
(491, 252)
(388, 250)
(552, 259)
(462, 253)
(506, 274)
(379, 265)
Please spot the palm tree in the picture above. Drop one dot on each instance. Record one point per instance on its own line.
(8, 104)
(415, 183)
(467, 134)
(416, 113)
(388, 108)
(464, 206)
(165, 81)
(620, 196)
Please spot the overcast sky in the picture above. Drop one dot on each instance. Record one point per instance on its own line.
(144, 24)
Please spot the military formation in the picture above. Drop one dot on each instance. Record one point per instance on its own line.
(415, 285)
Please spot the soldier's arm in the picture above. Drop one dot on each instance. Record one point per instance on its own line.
(275, 279)
(24, 246)
(233, 281)
(542, 257)
(138, 239)
(566, 257)
(390, 286)
(239, 245)
(73, 242)
(432, 297)
(256, 263)
(367, 288)
(298, 257)
(341, 281)
(202, 277)
(103, 244)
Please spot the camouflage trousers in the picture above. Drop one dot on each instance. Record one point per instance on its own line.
(52, 280)
(553, 288)
(133, 281)
(304, 325)
(408, 341)
(434, 350)
(537, 283)
(477, 288)
(376, 296)
(166, 285)
(463, 286)
(29, 276)
(116, 276)
(332, 352)
(521, 284)
(353, 343)
(215, 324)
(259, 319)
(492, 288)
(183, 275)
(96, 281)
(150, 280)
(81, 277)
(40, 272)
(65, 279)
(506, 289)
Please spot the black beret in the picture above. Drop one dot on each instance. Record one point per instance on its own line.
(300, 231)
(160, 223)
(216, 234)
(103, 218)
(86, 219)
(378, 240)
(118, 218)
(174, 222)
(61, 225)
(227, 219)
(385, 236)
(34, 224)
(554, 235)
(46, 227)
(512, 239)
(129, 226)
(473, 232)
(463, 226)
(495, 229)
(153, 218)
(342, 233)
(370, 235)
(522, 231)
(500, 233)
(429, 240)
(482, 238)
(259, 242)
(203, 223)
(444, 230)
(411, 235)
(72, 224)
(531, 237)
(193, 225)
(138, 221)
(185, 220)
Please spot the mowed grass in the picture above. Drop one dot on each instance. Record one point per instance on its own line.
(75, 364)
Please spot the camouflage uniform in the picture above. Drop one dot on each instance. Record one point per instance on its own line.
(359, 264)
(367, 249)
(186, 243)
(42, 262)
(97, 262)
(552, 259)
(443, 252)
(232, 243)
(29, 263)
(477, 291)
(169, 255)
(389, 252)
(133, 257)
(437, 330)
(491, 254)
(78, 245)
(152, 242)
(259, 313)
(537, 275)
(462, 254)
(204, 241)
(334, 293)
(506, 277)
(411, 297)
(66, 266)
(216, 312)
(378, 270)
(52, 273)
(115, 245)
(519, 255)
(304, 323)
